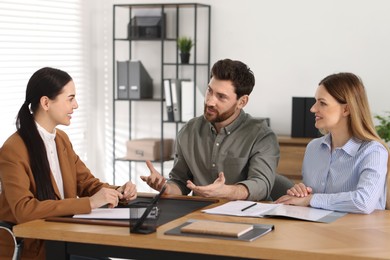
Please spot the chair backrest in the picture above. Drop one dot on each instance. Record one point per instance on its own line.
(18, 243)
(281, 185)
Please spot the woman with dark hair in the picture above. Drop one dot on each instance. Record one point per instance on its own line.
(41, 175)
(345, 170)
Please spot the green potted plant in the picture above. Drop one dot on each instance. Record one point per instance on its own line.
(184, 44)
(383, 128)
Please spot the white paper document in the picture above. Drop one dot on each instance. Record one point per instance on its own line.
(236, 208)
(257, 209)
(106, 213)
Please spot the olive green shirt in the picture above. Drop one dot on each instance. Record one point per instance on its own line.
(246, 151)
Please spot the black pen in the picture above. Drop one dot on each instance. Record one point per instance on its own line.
(250, 206)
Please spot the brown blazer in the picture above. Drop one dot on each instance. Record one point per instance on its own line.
(17, 199)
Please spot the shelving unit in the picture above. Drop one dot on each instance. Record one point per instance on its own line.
(161, 58)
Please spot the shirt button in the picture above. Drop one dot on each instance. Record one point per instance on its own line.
(213, 165)
(228, 133)
(217, 144)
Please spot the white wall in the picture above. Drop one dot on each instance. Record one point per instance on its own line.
(289, 44)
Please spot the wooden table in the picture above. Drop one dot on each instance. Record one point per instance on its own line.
(350, 237)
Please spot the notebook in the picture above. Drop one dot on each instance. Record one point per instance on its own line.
(217, 228)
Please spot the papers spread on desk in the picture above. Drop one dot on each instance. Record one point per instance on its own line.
(237, 208)
(108, 213)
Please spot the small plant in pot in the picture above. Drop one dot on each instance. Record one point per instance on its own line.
(184, 44)
(383, 128)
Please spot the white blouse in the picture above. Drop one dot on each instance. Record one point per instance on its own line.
(52, 156)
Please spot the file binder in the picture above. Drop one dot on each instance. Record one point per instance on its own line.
(303, 121)
(122, 80)
(176, 96)
(168, 99)
(187, 100)
(140, 82)
(133, 81)
(188, 108)
(181, 105)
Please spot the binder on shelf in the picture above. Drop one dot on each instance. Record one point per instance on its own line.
(188, 100)
(133, 81)
(168, 99)
(122, 80)
(176, 95)
(310, 129)
(140, 82)
(303, 121)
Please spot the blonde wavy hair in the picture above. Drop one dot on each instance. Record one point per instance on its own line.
(347, 88)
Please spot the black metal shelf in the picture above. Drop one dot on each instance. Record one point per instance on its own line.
(176, 12)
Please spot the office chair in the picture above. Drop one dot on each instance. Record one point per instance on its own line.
(17, 241)
(281, 185)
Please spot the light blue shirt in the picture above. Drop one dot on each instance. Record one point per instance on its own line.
(349, 179)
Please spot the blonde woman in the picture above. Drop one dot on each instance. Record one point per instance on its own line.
(344, 170)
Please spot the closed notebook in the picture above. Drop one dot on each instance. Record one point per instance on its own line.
(217, 228)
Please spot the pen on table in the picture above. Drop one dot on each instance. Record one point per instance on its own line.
(250, 206)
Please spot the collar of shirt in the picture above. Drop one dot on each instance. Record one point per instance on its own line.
(46, 136)
(233, 125)
(351, 147)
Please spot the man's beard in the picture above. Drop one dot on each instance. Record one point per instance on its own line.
(217, 118)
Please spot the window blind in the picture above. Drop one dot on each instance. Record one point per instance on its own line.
(36, 34)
